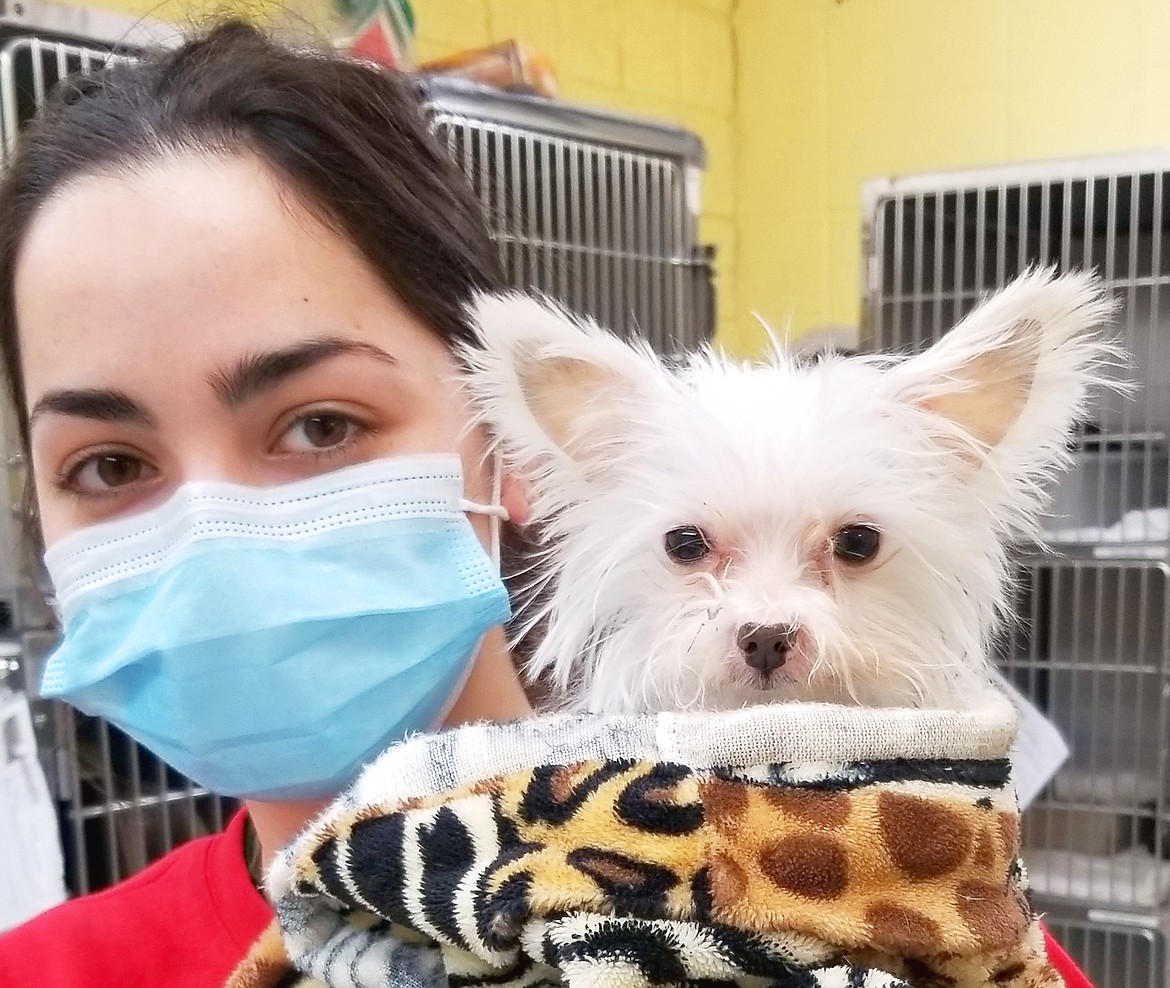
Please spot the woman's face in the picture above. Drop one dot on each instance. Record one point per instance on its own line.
(191, 320)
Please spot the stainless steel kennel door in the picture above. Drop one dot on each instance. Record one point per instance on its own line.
(1091, 645)
(596, 210)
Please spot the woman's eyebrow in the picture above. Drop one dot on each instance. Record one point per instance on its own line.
(104, 404)
(258, 372)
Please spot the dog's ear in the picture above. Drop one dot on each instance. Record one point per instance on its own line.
(988, 390)
(1014, 376)
(556, 392)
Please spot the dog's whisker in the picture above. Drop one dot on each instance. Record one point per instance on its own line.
(695, 638)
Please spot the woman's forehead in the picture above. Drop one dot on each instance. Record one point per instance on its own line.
(212, 223)
(195, 253)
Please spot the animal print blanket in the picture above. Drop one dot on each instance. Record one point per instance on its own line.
(789, 846)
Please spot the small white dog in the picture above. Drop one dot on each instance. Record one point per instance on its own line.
(726, 533)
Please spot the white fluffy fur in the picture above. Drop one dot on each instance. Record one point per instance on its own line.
(769, 459)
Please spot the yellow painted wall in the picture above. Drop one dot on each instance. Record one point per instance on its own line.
(311, 18)
(832, 92)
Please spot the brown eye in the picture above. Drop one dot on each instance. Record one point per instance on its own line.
(323, 431)
(104, 473)
(319, 432)
(687, 544)
(856, 543)
(114, 471)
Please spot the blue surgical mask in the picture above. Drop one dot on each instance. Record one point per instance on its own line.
(267, 642)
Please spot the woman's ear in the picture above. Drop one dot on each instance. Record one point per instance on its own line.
(514, 496)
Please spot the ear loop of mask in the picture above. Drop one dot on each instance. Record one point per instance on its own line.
(496, 510)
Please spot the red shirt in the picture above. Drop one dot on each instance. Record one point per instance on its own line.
(184, 922)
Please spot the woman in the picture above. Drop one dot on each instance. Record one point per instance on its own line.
(229, 279)
(235, 263)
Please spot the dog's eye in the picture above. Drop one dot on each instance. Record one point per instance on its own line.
(687, 544)
(856, 543)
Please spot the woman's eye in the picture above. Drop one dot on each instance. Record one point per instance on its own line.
(320, 431)
(104, 473)
(856, 543)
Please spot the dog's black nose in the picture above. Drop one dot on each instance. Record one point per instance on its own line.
(766, 647)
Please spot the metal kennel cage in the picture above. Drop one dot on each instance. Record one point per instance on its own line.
(1091, 646)
(595, 210)
(1113, 954)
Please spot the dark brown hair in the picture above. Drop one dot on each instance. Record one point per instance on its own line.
(348, 138)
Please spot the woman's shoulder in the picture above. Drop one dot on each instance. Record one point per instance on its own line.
(184, 921)
(1072, 975)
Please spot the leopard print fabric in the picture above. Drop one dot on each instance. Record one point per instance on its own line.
(863, 874)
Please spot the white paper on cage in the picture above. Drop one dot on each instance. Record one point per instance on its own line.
(1039, 750)
(32, 869)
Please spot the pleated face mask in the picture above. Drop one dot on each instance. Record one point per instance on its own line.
(267, 642)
